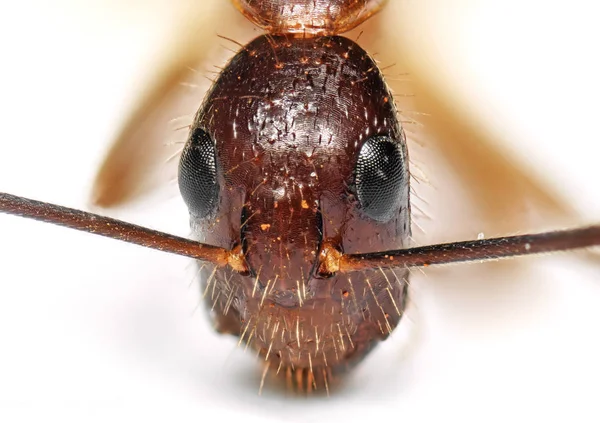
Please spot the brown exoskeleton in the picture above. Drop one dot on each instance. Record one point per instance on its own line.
(300, 207)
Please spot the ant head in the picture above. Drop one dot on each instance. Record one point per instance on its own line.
(324, 17)
(297, 150)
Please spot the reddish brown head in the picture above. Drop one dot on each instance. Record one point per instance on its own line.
(298, 148)
(324, 17)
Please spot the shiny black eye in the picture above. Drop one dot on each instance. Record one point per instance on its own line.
(198, 174)
(380, 178)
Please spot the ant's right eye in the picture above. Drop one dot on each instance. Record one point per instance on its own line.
(198, 174)
(380, 178)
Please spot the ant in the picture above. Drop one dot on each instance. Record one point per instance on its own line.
(380, 264)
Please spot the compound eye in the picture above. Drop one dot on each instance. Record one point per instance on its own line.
(380, 178)
(198, 174)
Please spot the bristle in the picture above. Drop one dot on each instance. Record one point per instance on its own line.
(264, 375)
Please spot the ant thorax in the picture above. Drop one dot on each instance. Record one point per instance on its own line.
(323, 17)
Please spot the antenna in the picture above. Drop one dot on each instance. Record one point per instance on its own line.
(334, 261)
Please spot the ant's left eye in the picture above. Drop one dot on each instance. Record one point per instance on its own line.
(380, 178)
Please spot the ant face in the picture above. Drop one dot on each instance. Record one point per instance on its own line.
(296, 148)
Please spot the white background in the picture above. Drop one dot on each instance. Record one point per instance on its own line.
(92, 329)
